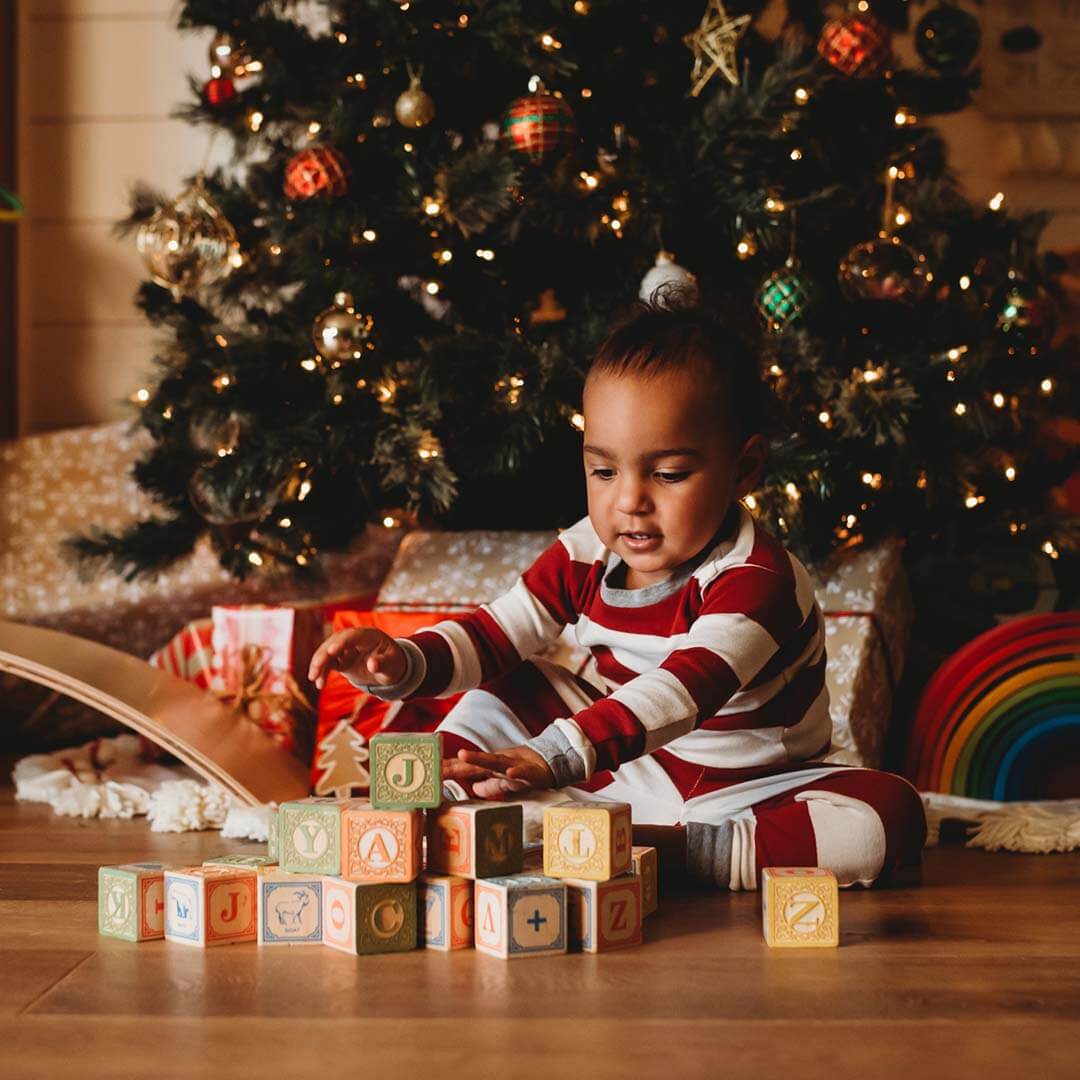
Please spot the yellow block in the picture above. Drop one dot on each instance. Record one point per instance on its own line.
(800, 907)
(587, 841)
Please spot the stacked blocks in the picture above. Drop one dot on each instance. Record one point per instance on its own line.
(605, 914)
(643, 863)
(587, 841)
(475, 839)
(272, 836)
(800, 907)
(520, 915)
(131, 901)
(406, 772)
(309, 835)
(369, 918)
(290, 908)
(210, 905)
(445, 911)
(380, 845)
(255, 863)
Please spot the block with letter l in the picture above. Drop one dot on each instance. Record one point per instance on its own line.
(587, 840)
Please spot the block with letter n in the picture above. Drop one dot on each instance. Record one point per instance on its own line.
(210, 905)
(131, 901)
(800, 907)
(475, 839)
(587, 840)
(406, 771)
(520, 915)
(604, 915)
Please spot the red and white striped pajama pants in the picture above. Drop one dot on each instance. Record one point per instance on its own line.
(857, 822)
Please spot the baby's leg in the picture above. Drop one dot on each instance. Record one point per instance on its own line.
(859, 823)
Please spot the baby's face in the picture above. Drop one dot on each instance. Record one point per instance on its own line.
(660, 470)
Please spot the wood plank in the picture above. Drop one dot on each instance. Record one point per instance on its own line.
(27, 973)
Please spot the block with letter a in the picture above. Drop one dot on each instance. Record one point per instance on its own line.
(587, 840)
(381, 845)
(475, 839)
(445, 911)
(604, 915)
(210, 905)
(406, 771)
(131, 901)
(800, 907)
(520, 915)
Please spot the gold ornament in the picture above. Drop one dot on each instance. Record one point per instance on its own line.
(415, 107)
(713, 45)
(340, 331)
(189, 242)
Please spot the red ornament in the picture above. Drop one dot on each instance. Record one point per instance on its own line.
(317, 171)
(218, 91)
(856, 44)
(539, 127)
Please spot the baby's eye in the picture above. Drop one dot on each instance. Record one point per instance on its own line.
(603, 474)
(672, 477)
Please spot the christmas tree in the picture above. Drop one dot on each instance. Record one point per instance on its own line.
(383, 311)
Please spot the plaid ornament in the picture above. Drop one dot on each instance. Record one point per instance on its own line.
(782, 297)
(316, 171)
(856, 45)
(538, 127)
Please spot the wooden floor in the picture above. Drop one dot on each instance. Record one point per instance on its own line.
(976, 972)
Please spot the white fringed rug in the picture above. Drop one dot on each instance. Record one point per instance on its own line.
(1038, 827)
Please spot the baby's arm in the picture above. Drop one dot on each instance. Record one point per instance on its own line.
(459, 654)
(746, 614)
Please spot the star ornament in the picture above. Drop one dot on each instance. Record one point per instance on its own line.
(713, 45)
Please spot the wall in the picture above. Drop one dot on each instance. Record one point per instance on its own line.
(98, 80)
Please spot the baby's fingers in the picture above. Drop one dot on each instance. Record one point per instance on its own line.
(498, 787)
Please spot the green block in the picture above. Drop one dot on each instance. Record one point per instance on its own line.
(309, 836)
(406, 771)
(252, 862)
(130, 901)
(272, 837)
(385, 918)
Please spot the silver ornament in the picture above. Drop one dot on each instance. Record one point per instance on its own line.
(339, 332)
(668, 284)
(884, 269)
(188, 243)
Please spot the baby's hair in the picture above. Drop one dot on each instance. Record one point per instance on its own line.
(653, 338)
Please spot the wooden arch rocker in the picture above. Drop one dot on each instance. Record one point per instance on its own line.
(221, 745)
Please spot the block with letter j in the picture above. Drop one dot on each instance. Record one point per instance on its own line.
(406, 771)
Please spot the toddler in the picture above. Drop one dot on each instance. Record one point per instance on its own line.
(712, 711)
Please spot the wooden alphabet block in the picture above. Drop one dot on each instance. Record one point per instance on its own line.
(643, 863)
(587, 840)
(380, 845)
(309, 835)
(475, 839)
(210, 905)
(445, 911)
(131, 901)
(406, 771)
(272, 836)
(604, 915)
(257, 863)
(520, 915)
(290, 907)
(369, 918)
(800, 907)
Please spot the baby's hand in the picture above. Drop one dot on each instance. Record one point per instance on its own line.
(496, 775)
(367, 655)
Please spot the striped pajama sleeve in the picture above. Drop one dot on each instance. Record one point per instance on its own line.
(461, 653)
(746, 615)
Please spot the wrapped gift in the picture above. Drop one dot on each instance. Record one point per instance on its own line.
(863, 593)
(866, 600)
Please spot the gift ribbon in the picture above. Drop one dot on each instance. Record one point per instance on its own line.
(879, 633)
(251, 675)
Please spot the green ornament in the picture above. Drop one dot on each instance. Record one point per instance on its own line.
(783, 297)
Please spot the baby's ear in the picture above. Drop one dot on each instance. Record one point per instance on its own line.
(750, 465)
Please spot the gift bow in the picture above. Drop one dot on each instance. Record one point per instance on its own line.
(248, 670)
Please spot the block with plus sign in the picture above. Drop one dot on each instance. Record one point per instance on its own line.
(643, 863)
(309, 835)
(604, 915)
(210, 905)
(380, 845)
(363, 919)
(445, 911)
(590, 841)
(258, 863)
(406, 771)
(131, 901)
(520, 915)
(289, 907)
(800, 907)
(475, 839)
